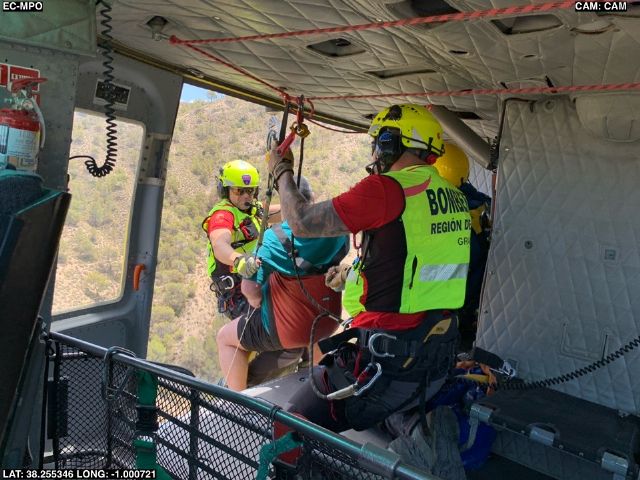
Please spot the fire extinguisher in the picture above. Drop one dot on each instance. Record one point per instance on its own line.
(22, 131)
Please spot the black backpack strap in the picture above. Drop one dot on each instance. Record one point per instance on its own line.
(282, 237)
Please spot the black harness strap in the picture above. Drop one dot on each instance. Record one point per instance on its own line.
(383, 342)
(487, 358)
(239, 243)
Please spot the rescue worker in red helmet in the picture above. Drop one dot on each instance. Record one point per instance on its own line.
(406, 283)
(233, 226)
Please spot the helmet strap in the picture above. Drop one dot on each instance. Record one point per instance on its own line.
(426, 156)
(431, 158)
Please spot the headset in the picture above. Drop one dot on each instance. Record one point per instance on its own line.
(387, 147)
(223, 192)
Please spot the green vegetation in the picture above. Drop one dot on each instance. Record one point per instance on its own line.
(184, 318)
(92, 250)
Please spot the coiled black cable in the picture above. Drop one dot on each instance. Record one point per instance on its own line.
(109, 111)
(580, 372)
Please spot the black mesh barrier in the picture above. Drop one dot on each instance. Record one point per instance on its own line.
(198, 435)
(93, 414)
(322, 461)
(80, 419)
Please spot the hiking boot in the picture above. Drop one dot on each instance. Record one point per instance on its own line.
(444, 433)
(414, 450)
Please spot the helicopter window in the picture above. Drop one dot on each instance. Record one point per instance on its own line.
(93, 247)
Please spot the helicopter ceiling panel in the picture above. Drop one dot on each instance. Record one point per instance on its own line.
(550, 49)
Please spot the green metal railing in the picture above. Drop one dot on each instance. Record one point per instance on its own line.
(201, 430)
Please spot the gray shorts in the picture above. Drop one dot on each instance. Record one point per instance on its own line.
(252, 334)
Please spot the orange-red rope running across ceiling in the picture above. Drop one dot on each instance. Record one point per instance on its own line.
(516, 10)
(449, 17)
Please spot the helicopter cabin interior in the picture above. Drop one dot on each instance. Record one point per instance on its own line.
(544, 97)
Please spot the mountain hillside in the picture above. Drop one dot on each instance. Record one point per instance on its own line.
(185, 319)
(207, 134)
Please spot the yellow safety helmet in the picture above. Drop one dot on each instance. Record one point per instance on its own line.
(237, 173)
(453, 166)
(417, 126)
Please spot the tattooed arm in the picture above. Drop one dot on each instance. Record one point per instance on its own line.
(307, 219)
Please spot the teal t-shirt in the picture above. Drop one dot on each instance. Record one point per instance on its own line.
(320, 252)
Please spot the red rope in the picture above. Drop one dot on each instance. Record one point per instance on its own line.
(449, 17)
(411, 21)
(321, 125)
(492, 91)
(445, 93)
(282, 93)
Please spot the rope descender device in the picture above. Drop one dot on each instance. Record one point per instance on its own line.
(298, 128)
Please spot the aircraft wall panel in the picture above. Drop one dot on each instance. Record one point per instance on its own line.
(65, 25)
(57, 97)
(563, 276)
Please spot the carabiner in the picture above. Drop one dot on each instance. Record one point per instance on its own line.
(370, 383)
(302, 130)
(355, 389)
(371, 343)
(230, 280)
(506, 369)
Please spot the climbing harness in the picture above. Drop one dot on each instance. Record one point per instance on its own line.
(361, 373)
(231, 301)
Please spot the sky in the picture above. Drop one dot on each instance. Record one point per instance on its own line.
(191, 93)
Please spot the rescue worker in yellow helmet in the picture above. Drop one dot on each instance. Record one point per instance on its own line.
(454, 167)
(233, 226)
(406, 283)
